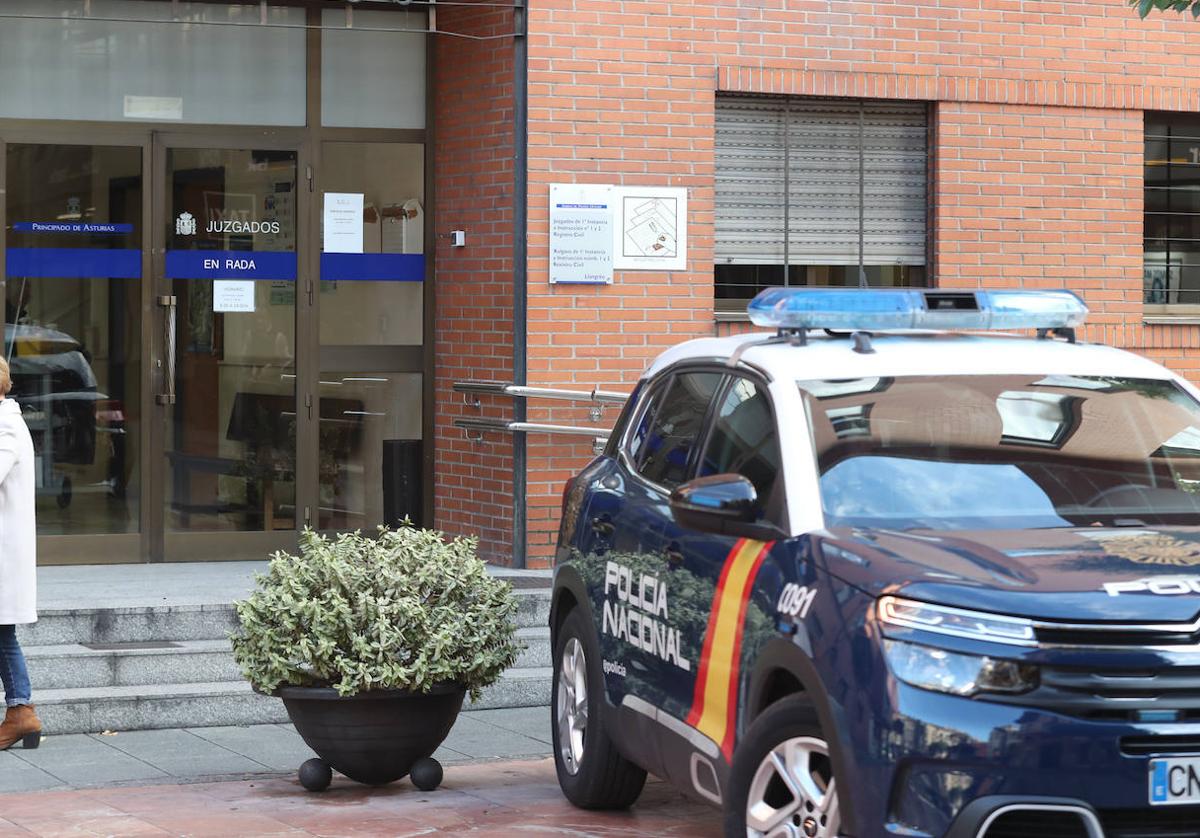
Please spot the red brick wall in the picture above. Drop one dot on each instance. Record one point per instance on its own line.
(473, 188)
(1038, 116)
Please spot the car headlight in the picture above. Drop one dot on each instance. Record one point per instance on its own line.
(956, 622)
(956, 673)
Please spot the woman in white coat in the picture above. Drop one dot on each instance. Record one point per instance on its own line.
(18, 567)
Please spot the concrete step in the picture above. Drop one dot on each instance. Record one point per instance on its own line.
(537, 647)
(189, 622)
(72, 665)
(149, 707)
(517, 688)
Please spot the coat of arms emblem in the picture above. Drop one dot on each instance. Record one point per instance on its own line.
(185, 224)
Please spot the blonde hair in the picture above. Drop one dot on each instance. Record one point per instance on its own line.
(5, 378)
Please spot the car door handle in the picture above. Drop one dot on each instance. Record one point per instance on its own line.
(673, 555)
(602, 526)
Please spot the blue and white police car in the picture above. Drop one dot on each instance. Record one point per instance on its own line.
(890, 572)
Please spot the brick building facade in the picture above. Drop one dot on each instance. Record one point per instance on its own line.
(270, 238)
(1038, 140)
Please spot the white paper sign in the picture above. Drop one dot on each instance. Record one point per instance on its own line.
(581, 233)
(233, 295)
(652, 232)
(153, 107)
(343, 222)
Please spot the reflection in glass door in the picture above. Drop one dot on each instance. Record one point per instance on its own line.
(72, 330)
(231, 267)
(371, 451)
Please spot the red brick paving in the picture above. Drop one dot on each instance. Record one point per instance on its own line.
(494, 799)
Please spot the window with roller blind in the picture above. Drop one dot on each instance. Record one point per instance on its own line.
(818, 192)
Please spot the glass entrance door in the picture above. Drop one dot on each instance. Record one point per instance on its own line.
(73, 219)
(228, 350)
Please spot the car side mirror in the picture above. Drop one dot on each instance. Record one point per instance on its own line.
(726, 504)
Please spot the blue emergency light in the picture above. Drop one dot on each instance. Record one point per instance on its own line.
(871, 309)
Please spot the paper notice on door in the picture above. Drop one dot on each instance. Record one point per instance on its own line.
(343, 222)
(233, 295)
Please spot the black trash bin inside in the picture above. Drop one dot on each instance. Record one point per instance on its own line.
(403, 485)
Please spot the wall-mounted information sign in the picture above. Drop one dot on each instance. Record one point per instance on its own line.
(651, 234)
(581, 233)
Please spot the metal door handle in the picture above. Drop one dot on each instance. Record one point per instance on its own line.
(602, 526)
(171, 304)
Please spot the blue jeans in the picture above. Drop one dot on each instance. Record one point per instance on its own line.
(12, 668)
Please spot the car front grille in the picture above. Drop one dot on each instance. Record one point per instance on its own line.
(1172, 694)
(1173, 822)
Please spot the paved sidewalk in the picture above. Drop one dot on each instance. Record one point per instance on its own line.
(206, 753)
(492, 799)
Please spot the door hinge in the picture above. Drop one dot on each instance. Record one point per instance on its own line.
(307, 516)
(308, 289)
(308, 404)
(308, 175)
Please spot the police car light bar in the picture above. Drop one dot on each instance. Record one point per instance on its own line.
(869, 309)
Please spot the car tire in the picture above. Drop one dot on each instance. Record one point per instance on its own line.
(591, 772)
(787, 736)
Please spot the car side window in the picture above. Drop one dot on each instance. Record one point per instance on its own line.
(744, 439)
(673, 432)
(641, 430)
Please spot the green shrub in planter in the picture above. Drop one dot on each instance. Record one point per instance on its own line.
(403, 610)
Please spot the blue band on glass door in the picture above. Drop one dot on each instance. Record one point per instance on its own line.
(73, 263)
(230, 264)
(373, 267)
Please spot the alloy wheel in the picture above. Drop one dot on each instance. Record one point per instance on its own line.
(571, 711)
(792, 794)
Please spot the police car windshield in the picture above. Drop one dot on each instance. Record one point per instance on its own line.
(1005, 451)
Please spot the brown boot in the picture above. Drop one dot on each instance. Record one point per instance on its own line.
(20, 722)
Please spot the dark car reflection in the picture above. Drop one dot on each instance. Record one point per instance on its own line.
(57, 389)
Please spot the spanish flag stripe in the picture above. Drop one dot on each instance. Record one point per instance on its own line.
(709, 633)
(713, 713)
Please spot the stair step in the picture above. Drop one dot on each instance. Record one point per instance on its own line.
(189, 622)
(529, 687)
(71, 665)
(148, 707)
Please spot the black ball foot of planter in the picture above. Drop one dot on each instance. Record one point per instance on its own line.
(374, 737)
(426, 774)
(315, 774)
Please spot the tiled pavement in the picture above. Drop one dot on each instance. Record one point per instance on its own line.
(187, 755)
(518, 798)
(241, 781)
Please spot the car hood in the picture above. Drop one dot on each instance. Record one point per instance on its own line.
(1147, 574)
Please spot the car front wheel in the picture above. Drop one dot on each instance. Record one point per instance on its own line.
(591, 772)
(782, 783)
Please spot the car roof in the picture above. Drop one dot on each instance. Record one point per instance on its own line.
(915, 353)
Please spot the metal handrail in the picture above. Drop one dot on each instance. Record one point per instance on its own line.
(519, 391)
(503, 425)
(596, 396)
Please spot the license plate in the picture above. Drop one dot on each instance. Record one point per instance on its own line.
(1174, 780)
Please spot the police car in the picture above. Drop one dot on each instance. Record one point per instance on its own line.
(887, 572)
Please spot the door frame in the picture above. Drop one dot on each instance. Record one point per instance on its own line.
(165, 545)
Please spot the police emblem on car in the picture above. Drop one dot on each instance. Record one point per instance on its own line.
(906, 563)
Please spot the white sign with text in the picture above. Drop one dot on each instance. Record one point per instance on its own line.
(581, 233)
(233, 295)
